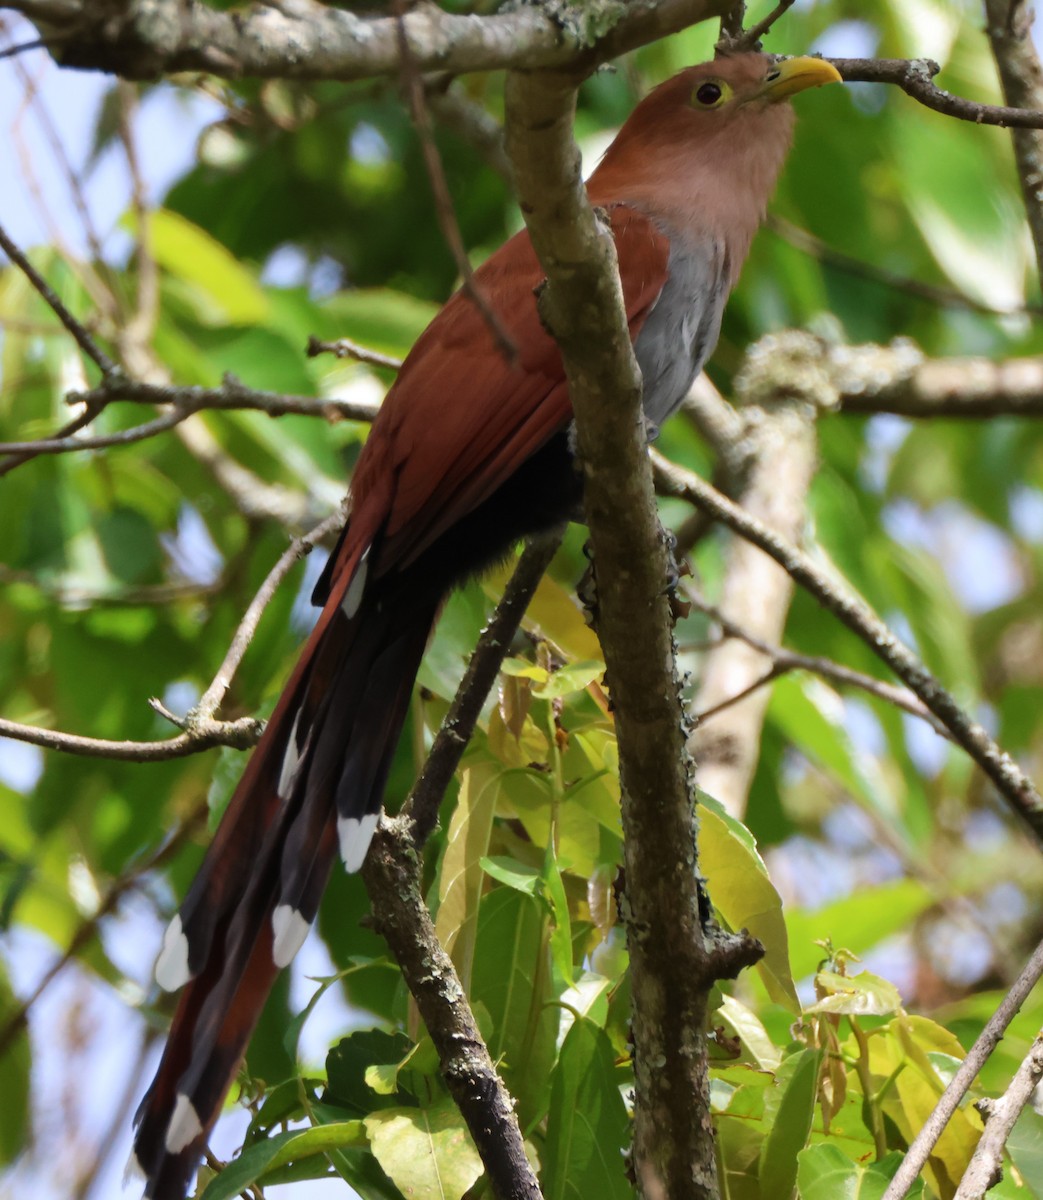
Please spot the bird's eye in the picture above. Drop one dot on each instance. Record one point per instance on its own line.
(711, 94)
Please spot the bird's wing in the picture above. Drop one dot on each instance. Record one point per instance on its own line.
(461, 418)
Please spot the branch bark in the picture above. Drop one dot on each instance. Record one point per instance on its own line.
(306, 40)
(1008, 24)
(985, 1169)
(925, 1141)
(392, 877)
(833, 594)
(671, 973)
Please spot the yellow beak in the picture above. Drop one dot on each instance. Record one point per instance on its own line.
(795, 74)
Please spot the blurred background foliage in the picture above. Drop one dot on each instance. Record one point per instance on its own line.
(124, 572)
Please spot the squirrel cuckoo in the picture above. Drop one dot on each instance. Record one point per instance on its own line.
(469, 453)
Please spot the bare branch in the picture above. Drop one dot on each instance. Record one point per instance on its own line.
(241, 735)
(200, 730)
(898, 379)
(231, 395)
(769, 465)
(391, 874)
(455, 110)
(346, 348)
(82, 337)
(1008, 24)
(814, 246)
(752, 38)
(984, 1170)
(125, 437)
(582, 306)
(211, 699)
(915, 76)
(783, 661)
(920, 1150)
(1010, 781)
(312, 41)
(421, 808)
(186, 401)
(444, 210)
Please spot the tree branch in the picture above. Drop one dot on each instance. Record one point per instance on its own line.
(421, 807)
(783, 661)
(306, 40)
(915, 78)
(1011, 782)
(83, 339)
(898, 379)
(670, 976)
(391, 874)
(920, 1149)
(392, 877)
(1008, 24)
(200, 729)
(984, 1170)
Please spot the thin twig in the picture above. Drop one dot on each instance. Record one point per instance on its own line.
(72, 179)
(451, 740)
(186, 401)
(820, 250)
(1011, 782)
(80, 334)
(783, 661)
(102, 441)
(984, 1170)
(231, 395)
(346, 348)
(914, 77)
(444, 210)
(200, 731)
(211, 699)
(920, 1150)
(752, 37)
(240, 734)
(732, 22)
(138, 331)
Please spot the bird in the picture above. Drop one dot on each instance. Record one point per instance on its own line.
(469, 452)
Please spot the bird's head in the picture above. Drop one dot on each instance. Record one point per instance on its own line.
(702, 152)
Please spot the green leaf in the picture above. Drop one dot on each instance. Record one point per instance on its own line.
(512, 980)
(278, 1151)
(743, 894)
(561, 929)
(428, 1153)
(461, 877)
(1025, 1147)
(791, 1127)
(826, 1173)
(587, 1126)
(513, 874)
(751, 1033)
(227, 292)
(348, 1062)
(862, 995)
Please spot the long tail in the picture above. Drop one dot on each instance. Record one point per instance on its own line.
(313, 785)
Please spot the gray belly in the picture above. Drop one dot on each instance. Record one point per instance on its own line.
(681, 331)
